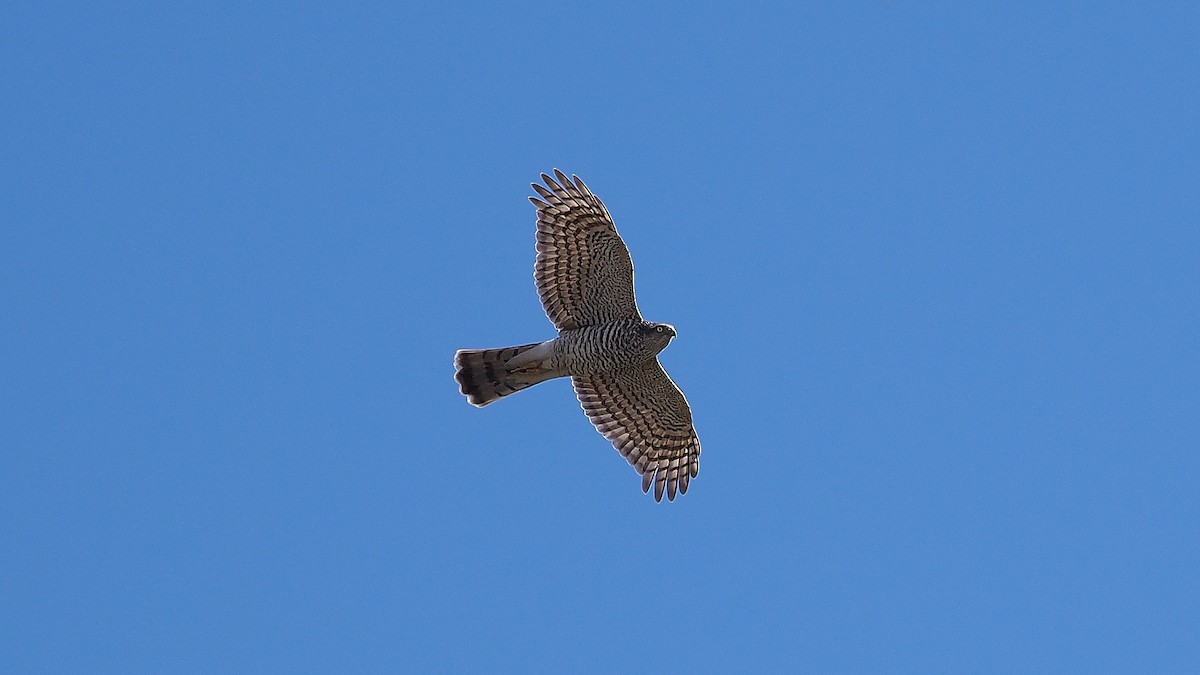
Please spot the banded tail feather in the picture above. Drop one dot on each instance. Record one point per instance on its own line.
(483, 377)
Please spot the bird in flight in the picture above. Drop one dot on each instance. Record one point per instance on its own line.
(584, 276)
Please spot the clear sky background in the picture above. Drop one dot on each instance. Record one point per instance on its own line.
(935, 270)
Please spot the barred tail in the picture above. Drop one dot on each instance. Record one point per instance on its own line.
(483, 378)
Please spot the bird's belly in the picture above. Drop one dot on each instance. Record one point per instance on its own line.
(595, 349)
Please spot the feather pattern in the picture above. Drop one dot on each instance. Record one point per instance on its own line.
(648, 421)
(583, 271)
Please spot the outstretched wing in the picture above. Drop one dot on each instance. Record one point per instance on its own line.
(583, 271)
(648, 421)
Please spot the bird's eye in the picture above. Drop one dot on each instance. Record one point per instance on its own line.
(659, 329)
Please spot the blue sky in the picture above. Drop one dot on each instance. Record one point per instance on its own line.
(934, 269)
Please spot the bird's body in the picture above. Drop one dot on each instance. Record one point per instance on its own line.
(584, 276)
(608, 346)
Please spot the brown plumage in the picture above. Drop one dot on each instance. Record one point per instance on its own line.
(483, 377)
(584, 277)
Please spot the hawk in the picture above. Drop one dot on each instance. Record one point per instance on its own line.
(584, 276)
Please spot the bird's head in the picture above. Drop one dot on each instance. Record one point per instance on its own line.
(658, 335)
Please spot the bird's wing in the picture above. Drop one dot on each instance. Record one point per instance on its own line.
(648, 421)
(583, 272)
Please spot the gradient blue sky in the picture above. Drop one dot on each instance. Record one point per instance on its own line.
(934, 267)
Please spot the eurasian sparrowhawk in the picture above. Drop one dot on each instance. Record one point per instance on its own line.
(584, 276)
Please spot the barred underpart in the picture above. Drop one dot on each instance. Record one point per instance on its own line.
(604, 347)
